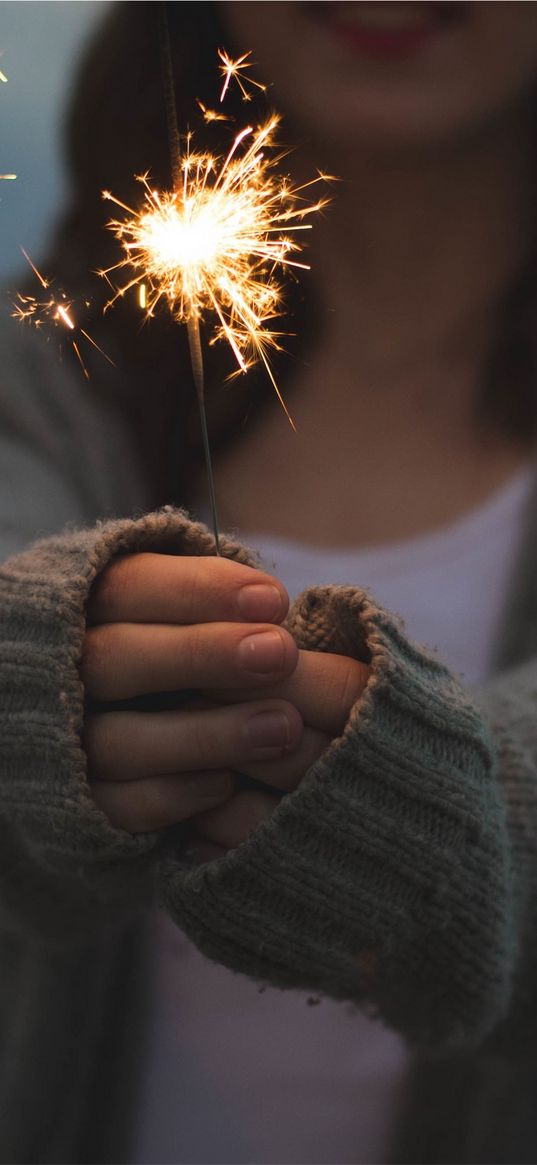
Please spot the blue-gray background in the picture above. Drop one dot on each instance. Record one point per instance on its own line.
(40, 42)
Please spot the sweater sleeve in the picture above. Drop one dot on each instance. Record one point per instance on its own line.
(64, 869)
(399, 875)
(389, 877)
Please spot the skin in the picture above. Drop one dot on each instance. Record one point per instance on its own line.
(434, 221)
(158, 623)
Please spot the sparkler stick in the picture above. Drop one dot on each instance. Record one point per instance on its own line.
(196, 357)
(193, 328)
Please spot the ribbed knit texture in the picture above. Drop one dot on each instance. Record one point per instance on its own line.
(63, 867)
(392, 876)
(359, 884)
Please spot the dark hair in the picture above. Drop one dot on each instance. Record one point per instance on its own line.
(116, 128)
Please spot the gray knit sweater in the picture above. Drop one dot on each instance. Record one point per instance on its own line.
(413, 838)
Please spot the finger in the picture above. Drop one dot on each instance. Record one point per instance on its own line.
(156, 802)
(286, 772)
(129, 746)
(231, 823)
(128, 659)
(323, 687)
(165, 588)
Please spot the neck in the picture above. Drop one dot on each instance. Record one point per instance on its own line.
(418, 251)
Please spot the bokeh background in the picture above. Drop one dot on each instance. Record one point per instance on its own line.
(40, 44)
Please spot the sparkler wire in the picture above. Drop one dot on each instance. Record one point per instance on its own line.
(196, 357)
(193, 328)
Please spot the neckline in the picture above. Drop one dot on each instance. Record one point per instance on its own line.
(512, 495)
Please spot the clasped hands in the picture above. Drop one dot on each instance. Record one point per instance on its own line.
(158, 623)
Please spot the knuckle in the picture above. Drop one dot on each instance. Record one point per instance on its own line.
(99, 651)
(110, 586)
(193, 585)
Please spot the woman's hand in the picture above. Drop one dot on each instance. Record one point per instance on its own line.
(158, 623)
(323, 688)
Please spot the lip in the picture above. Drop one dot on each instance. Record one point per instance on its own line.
(387, 30)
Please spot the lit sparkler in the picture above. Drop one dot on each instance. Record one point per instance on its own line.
(56, 309)
(215, 242)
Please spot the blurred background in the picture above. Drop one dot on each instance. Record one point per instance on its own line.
(40, 43)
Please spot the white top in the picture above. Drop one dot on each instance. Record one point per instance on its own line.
(237, 1076)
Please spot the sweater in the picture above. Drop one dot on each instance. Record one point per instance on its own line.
(400, 875)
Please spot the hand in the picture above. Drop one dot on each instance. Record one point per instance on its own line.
(158, 623)
(323, 688)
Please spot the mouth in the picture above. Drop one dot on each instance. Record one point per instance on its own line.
(387, 29)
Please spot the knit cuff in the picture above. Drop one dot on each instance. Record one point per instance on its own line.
(382, 879)
(61, 860)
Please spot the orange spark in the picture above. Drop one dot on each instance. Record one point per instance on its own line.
(55, 310)
(211, 114)
(233, 70)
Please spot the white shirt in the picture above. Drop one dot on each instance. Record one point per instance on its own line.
(237, 1076)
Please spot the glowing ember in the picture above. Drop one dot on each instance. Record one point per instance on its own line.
(56, 309)
(212, 114)
(234, 71)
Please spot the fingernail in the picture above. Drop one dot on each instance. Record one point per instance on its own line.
(259, 601)
(267, 734)
(262, 653)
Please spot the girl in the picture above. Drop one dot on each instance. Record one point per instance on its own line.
(385, 856)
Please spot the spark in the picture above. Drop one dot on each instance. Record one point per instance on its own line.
(55, 309)
(212, 114)
(233, 70)
(216, 242)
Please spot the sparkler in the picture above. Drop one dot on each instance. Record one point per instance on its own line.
(215, 242)
(56, 309)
